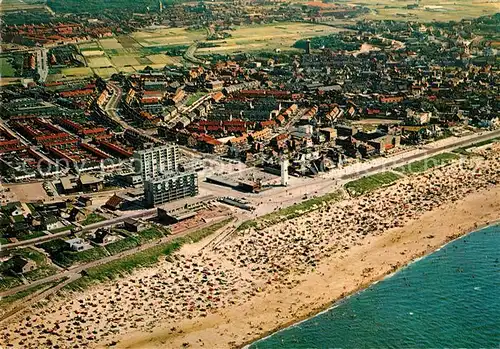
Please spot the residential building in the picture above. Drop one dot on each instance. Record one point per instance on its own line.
(154, 162)
(170, 187)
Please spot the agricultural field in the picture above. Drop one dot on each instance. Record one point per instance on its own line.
(18, 5)
(77, 72)
(123, 61)
(429, 10)
(92, 53)
(98, 62)
(426, 164)
(266, 37)
(167, 36)
(367, 184)
(109, 44)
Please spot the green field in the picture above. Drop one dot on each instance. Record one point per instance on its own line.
(426, 164)
(367, 184)
(92, 218)
(194, 97)
(6, 68)
(290, 212)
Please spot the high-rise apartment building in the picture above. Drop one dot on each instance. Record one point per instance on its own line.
(170, 187)
(154, 162)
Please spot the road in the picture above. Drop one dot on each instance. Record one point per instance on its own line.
(113, 221)
(111, 110)
(70, 273)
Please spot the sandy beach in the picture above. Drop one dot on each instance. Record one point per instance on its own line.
(263, 280)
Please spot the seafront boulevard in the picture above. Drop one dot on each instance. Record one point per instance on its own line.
(277, 273)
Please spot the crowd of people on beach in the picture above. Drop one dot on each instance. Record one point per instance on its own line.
(194, 285)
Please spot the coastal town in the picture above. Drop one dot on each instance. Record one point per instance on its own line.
(163, 166)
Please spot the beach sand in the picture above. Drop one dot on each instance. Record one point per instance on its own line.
(333, 279)
(261, 280)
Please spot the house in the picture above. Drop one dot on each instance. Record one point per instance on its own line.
(103, 237)
(76, 244)
(85, 200)
(134, 225)
(76, 215)
(418, 118)
(50, 222)
(90, 183)
(114, 203)
(21, 265)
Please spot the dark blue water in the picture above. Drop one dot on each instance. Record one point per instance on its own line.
(450, 299)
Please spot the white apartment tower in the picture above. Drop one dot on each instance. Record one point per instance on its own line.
(154, 162)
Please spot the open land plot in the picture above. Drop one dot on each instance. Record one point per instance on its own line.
(98, 62)
(367, 184)
(429, 10)
(267, 37)
(162, 59)
(81, 71)
(105, 72)
(128, 42)
(126, 69)
(154, 66)
(122, 61)
(426, 164)
(92, 53)
(111, 43)
(27, 192)
(168, 36)
(18, 5)
(6, 68)
(89, 46)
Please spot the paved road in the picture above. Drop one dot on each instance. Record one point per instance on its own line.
(428, 152)
(78, 269)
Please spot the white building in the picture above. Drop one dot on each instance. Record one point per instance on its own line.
(154, 162)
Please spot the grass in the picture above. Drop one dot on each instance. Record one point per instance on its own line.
(426, 164)
(68, 258)
(40, 273)
(32, 254)
(8, 300)
(29, 236)
(59, 252)
(92, 218)
(6, 68)
(367, 184)
(150, 234)
(61, 229)
(194, 97)
(8, 282)
(146, 258)
(122, 245)
(463, 150)
(290, 212)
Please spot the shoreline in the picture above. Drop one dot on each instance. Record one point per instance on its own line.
(214, 329)
(362, 288)
(263, 280)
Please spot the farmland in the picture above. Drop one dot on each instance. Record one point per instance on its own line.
(267, 37)
(429, 10)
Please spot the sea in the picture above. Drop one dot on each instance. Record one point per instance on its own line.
(448, 299)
